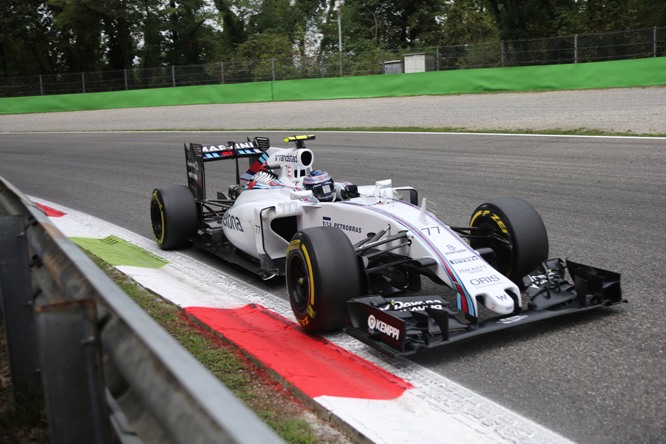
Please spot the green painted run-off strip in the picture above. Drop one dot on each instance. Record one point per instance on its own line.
(118, 252)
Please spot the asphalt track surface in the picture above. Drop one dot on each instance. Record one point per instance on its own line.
(594, 378)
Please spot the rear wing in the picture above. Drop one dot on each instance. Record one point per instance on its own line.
(196, 155)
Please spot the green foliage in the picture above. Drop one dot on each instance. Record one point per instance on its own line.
(389, 23)
(26, 38)
(465, 22)
(62, 36)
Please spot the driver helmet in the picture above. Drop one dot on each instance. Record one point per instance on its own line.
(321, 184)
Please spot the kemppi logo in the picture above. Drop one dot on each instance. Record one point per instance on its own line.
(383, 327)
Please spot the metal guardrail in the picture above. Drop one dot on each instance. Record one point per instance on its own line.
(107, 371)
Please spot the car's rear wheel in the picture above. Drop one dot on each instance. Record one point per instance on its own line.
(173, 216)
(322, 275)
(515, 232)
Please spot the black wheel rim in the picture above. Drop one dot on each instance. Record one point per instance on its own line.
(299, 283)
(156, 219)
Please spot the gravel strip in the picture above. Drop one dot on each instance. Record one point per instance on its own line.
(636, 110)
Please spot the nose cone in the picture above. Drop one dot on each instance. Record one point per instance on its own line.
(499, 303)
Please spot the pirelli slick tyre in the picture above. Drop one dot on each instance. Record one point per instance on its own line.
(517, 235)
(322, 275)
(173, 216)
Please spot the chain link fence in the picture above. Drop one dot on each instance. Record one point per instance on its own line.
(579, 48)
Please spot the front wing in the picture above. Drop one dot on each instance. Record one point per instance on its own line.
(402, 325)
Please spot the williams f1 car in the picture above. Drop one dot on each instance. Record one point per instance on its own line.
(353, 256)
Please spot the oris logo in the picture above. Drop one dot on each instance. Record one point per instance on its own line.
(389, 330)
(485, 280)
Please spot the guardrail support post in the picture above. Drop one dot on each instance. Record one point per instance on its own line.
(72, 372)
(16, 301)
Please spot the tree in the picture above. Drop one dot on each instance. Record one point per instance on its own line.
(121, 22)
(464, 22)
(526, 19)
(189, 40)
(27, 38)
(233, 24)
(616, 15)
(150, 53)
(81, 31)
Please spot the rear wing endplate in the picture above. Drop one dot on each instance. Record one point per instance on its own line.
(196, 155)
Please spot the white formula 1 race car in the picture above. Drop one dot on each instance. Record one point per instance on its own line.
(353, 256)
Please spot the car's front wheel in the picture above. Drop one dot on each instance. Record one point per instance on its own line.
(173, 216)
(322, 275)
(513, 229)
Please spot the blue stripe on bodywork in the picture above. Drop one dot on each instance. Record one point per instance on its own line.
(460, 289)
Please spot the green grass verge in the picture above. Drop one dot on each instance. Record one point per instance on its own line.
(287, 415)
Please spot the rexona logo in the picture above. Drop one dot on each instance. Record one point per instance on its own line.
(232, 222)
(389, 330)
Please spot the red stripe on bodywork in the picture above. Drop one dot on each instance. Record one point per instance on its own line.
(313, 364)
(50, 212)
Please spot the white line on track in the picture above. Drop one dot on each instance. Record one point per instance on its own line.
(420, 133)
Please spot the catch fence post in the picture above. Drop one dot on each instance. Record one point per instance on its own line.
(83, 82)
(173, 76)
(502, 53)
(575, 48)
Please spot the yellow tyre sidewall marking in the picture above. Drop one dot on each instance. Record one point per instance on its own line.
(494, 217)
(296, 244)
(479, 214)
(310, 305)
(159, 203)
